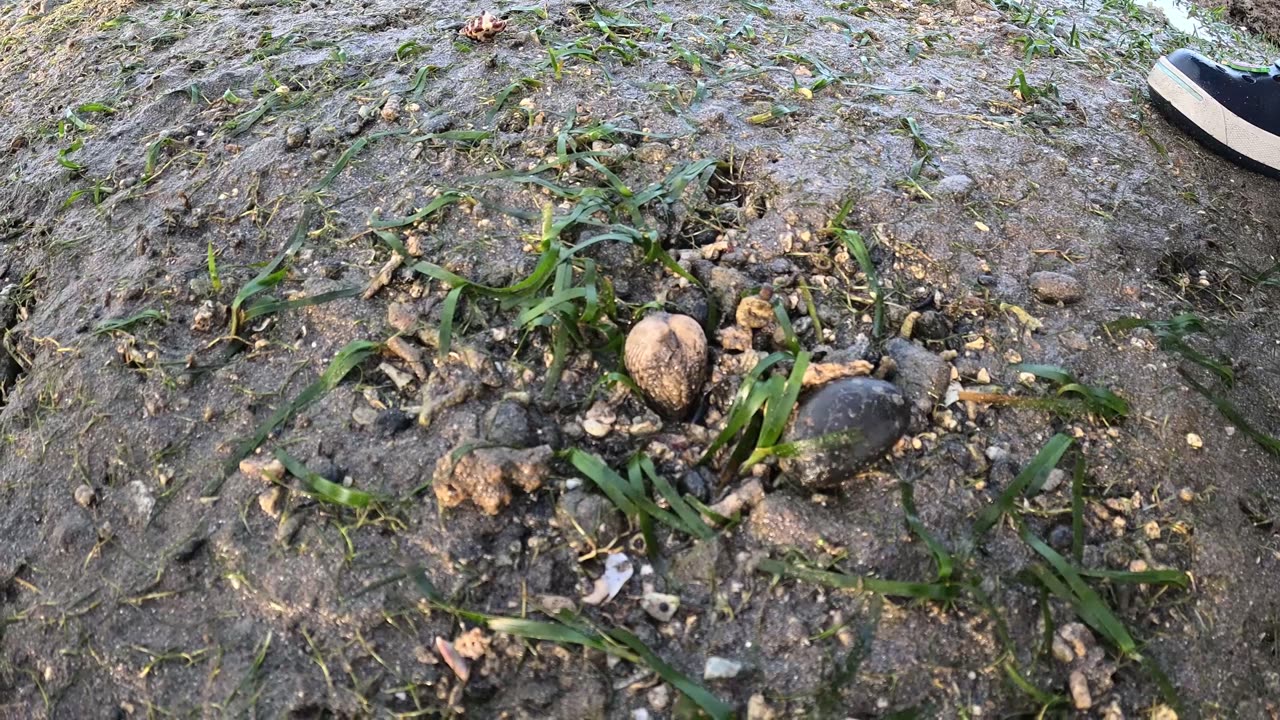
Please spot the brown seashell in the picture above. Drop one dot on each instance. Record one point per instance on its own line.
(667, 357)
(484, 27)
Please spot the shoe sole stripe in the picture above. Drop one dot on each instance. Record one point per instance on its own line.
(1239, 138)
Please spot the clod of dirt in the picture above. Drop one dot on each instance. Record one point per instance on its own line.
(295, 137)
(667, 357)
(718, 668)
(1055, 287)
(85, 496)
(858, 420)
(391, 109)
(661, 607)
(823, 373)
(140, 500)
(953, 186)
(507, 424)
(758, 708)
(484, 27)
(207, 316)
(484, 475)
(472, 644)
(922, 375)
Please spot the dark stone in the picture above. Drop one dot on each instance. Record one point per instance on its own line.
(922, 375)
(1061, 536)
(392, 422)
(861, 419)
(507, 424)
(1053, 287)
(698, 482)
(933, 325)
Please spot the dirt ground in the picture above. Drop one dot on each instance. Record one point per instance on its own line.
(231, 230)
(1261, 16)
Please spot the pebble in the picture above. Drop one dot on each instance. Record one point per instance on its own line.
(595, 428)
(1055, 287)
(271, 499)
(1053, 480)
(85, 496)
(1061, 537)
(1080, 691)
(1163, 712)
(875, 411)
(922, 375)
(953, 185)
(141, 500)
(1195, 441)
(718, 668)
(754, 313)
(659, 696)
(295, 137)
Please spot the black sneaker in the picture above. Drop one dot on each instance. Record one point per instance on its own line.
(1235, 110)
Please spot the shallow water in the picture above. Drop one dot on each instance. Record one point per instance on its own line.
(1178, 17)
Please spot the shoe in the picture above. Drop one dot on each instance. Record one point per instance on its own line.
(1234, 110)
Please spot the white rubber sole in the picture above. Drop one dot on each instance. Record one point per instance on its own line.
(1217, 122)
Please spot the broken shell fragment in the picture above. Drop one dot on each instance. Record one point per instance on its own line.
(666, 355)
(660, 607)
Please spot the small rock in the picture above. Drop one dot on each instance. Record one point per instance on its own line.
(364, 415)
(667, 357)
(1074, 341)
(1061, 537)
(718, 668)
(472, 644)
(205, 317)
(758, 709)
(1113, 711)
(953, 185)
(85, 496)
(735, 339)
(754, 313)
(1163, 712)
(932, 325)
(580, 513)
(391, 109)
(868, 415)
(1195, 441)
(652, 153)
(659, 697)
(922, 375)
(659, 606)
(295, 137)
(824, 372)
(1054, 287)
(595, 428)
(996, 453)
(141, 501)
(271, 499)
(507, 424)
(1079, 691)
(484, 475)
(403, 317)
(1078, 636)
(263, 467)
(1053, 480)
(1062, 650)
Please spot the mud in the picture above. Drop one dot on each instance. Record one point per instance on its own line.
(139, 140)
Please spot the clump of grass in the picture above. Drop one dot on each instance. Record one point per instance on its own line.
(126, 323)
(857, 247)
(320, 488)
(759, 412)
(1172, 335)
(632, 496)
(570, 629)
(1095, 400)
(273, 274)
(344, 362)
